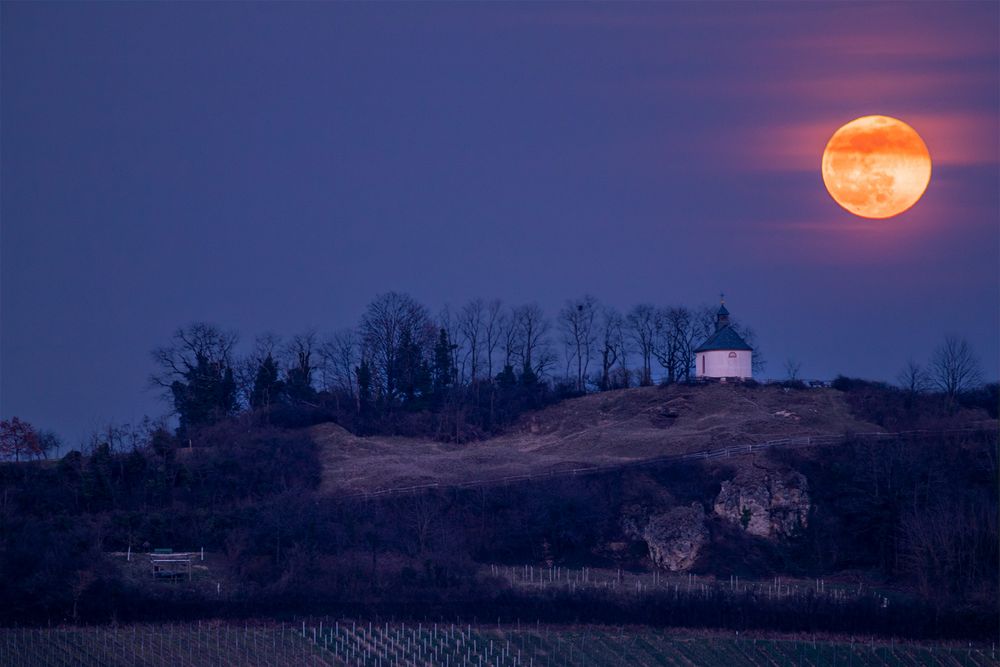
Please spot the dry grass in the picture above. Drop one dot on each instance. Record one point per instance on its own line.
(612, 427)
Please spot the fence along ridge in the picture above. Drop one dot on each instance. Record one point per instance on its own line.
(706, 454)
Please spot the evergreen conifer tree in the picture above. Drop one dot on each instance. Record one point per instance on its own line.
(206, 395)
(444, 368)
(267, 386)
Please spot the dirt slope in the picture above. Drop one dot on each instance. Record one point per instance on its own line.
(618, 426)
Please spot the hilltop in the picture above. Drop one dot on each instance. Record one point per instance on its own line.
(620, 426)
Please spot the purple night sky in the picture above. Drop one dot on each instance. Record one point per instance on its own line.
(272, 167)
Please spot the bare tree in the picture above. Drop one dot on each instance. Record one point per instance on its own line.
(247, 367)
(532, 328)
(510, 338)
(792, 368)
(200, 342)
(420, 516)
(688, 329)
(493, 327)
(611, 346)
(123, 437)
(390, 319)
(340, 355)
(641, 322)
(914, 378)
(954, 366)
(948, 545)
(471, 329)
(759, 361)
(672, 340)
(576, 324)
(196, 373)
(244, 372)
(703, 319)
(300, 361)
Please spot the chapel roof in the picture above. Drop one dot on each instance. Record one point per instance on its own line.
(725, 338)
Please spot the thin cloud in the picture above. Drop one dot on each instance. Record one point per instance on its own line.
(954, 138)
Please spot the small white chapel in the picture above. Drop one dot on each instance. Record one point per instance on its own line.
(725, 355)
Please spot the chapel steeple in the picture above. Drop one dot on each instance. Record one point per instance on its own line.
(722, 316)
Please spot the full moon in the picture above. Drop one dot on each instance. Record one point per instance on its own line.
(876, 166)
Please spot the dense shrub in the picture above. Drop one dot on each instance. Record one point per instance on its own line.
(985, 398)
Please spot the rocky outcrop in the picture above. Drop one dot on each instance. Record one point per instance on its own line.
(674, 537)
(765, 503)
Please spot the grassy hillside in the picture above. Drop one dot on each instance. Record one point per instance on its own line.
(611, 427)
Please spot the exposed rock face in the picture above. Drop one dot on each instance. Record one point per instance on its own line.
(765, 503)
(674, 537)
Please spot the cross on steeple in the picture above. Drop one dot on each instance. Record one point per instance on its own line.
(722, 297)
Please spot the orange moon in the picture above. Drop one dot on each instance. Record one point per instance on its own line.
(876, 166)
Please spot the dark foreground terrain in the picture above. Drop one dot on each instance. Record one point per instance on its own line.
(853, 534)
